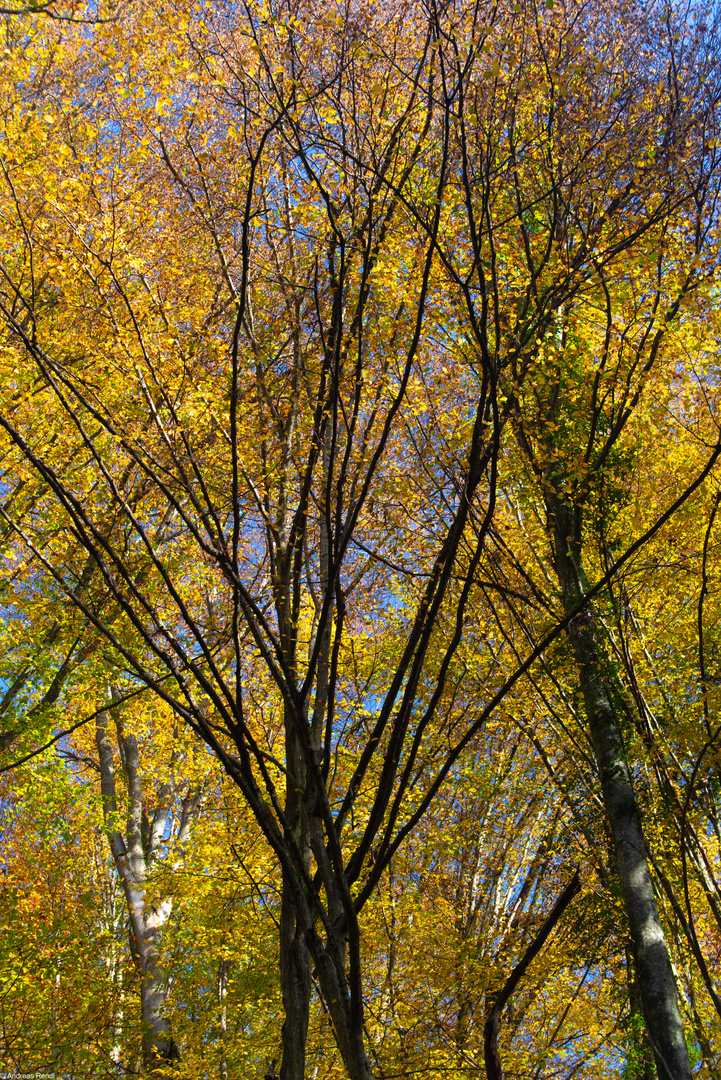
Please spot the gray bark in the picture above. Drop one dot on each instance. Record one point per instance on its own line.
(652, 960)
(223, 969)
(133, 855)
(640, 1048)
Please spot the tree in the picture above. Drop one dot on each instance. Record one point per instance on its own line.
(233, 306)
(58, 994)
(632, 343)
(150, 831)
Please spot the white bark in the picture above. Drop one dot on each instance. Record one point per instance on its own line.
(134, 851)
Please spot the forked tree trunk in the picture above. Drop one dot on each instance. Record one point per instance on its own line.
(651, 956)
(301, 946)
(329, 959)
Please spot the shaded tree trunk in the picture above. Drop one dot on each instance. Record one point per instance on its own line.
(295, 967)
(295, 983)
(329, 959)
(492, 1059)
(640, 1052)
(656, 983)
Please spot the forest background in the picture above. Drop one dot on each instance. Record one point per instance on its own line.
(361, 589)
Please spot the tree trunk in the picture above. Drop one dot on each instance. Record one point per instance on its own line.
(131, 860)
(295, 977)
(330, 970)
(295, 983)
(223, 969)
(651, 956)
(492, 1059)
(640, 1052)
(159, 1049)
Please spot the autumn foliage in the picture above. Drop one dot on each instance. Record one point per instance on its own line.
(360, 568)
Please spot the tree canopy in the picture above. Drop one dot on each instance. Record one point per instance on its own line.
(361, 585)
